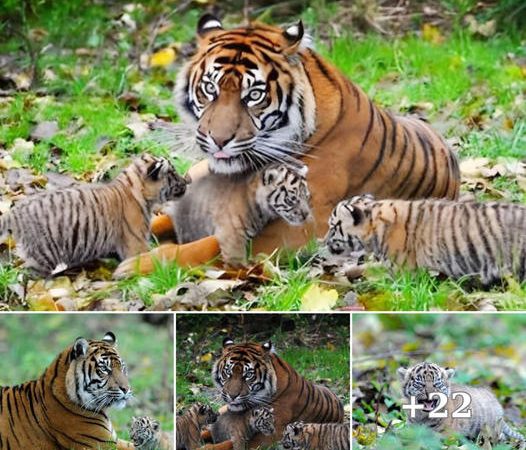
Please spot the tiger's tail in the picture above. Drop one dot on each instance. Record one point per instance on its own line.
(512, 434)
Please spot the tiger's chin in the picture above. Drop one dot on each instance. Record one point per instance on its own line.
(237, 407)
(235, 165)
(119, 404)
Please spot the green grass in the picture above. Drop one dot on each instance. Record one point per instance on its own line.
(31, 342)
(8, 276)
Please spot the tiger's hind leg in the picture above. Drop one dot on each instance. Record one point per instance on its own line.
(187, 255)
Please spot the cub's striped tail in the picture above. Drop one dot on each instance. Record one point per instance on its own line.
(512, 434)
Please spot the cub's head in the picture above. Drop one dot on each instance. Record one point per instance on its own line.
(144, 431)
(348, 224)
(423, 379)
(262, 420)
(96, 376)
(202, 414)
(285, 191)
(161, 183)
(294, 437)
(247, 95)
(245, 374)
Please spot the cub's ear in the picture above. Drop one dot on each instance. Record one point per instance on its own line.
(297, 427)
(273, 174)
(80, 348)
(402, 372)
(207, 23)
(450, 373)
(155, 170)
(227, 342)
(203, 409)
(155, 425)
(110, 338)
(267, 346)
(293, 36)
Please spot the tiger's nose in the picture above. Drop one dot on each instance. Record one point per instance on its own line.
(222, 141)
(125, 389)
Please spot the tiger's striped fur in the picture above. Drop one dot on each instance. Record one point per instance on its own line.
(64, 228)
(278, 191)
(188, 426)
(146, 434)
(66, 408)
(456, 238)
(259, 94)
(250, 375)
(314, 436)
(241, 427)
(425, 378)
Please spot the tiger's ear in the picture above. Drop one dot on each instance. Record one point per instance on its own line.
(207, 23)
(267, 346)
(450, 373)
(110, 338)
(227, 342)
(80, 348)
(293, 36)
(402, 372)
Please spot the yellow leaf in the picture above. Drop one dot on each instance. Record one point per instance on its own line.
(432, 34)
(163, 57)
(43, 303)
(318, 299)
(410, 346)
(330, 346)
(207, 357)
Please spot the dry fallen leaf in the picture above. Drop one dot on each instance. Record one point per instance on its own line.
(432, 34)
(318, 299)
(163, 57)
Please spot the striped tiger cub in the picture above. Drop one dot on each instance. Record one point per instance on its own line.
(66, 408)
(314, 436)
(425, 378)
(188, 426)
(250, 375)
(146, 434)
(64, 228)
(487, 240)
(236, 429)
(278, 191)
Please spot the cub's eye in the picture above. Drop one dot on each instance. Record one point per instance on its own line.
(255, 95)
(209, 88)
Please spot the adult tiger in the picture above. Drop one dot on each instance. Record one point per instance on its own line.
(65, 409)
(258, 93)
(251, 374)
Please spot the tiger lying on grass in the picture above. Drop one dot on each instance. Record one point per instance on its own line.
(259, 94)
(64, 228)
(66, 408)
(316, 436)
(487, 415)
(487, 240)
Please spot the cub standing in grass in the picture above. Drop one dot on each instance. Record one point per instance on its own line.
(234, 430)
(487, 240)
(66, 408)
(64, 228)
(146, 434)
(189, 425)
(251, 375)
(316, 436)
(425, 378)
(279, 191)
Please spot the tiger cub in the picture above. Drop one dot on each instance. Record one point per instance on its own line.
(425, 378)
(188, 426)
(241, 427)
(276, 191)
(487, 240)
(146, 434)
(64, 228)
(67, 407)
(313, 436)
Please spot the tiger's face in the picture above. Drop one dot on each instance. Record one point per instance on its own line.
(161, 181)
(262, 420)
(422, 380)
(347, 225)
(286, 192)
(204, 413)
(144, 431)
(97, 377)
(293, 437)
(247, 95)
(245, 375)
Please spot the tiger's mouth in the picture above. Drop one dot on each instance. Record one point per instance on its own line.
(429, 405)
